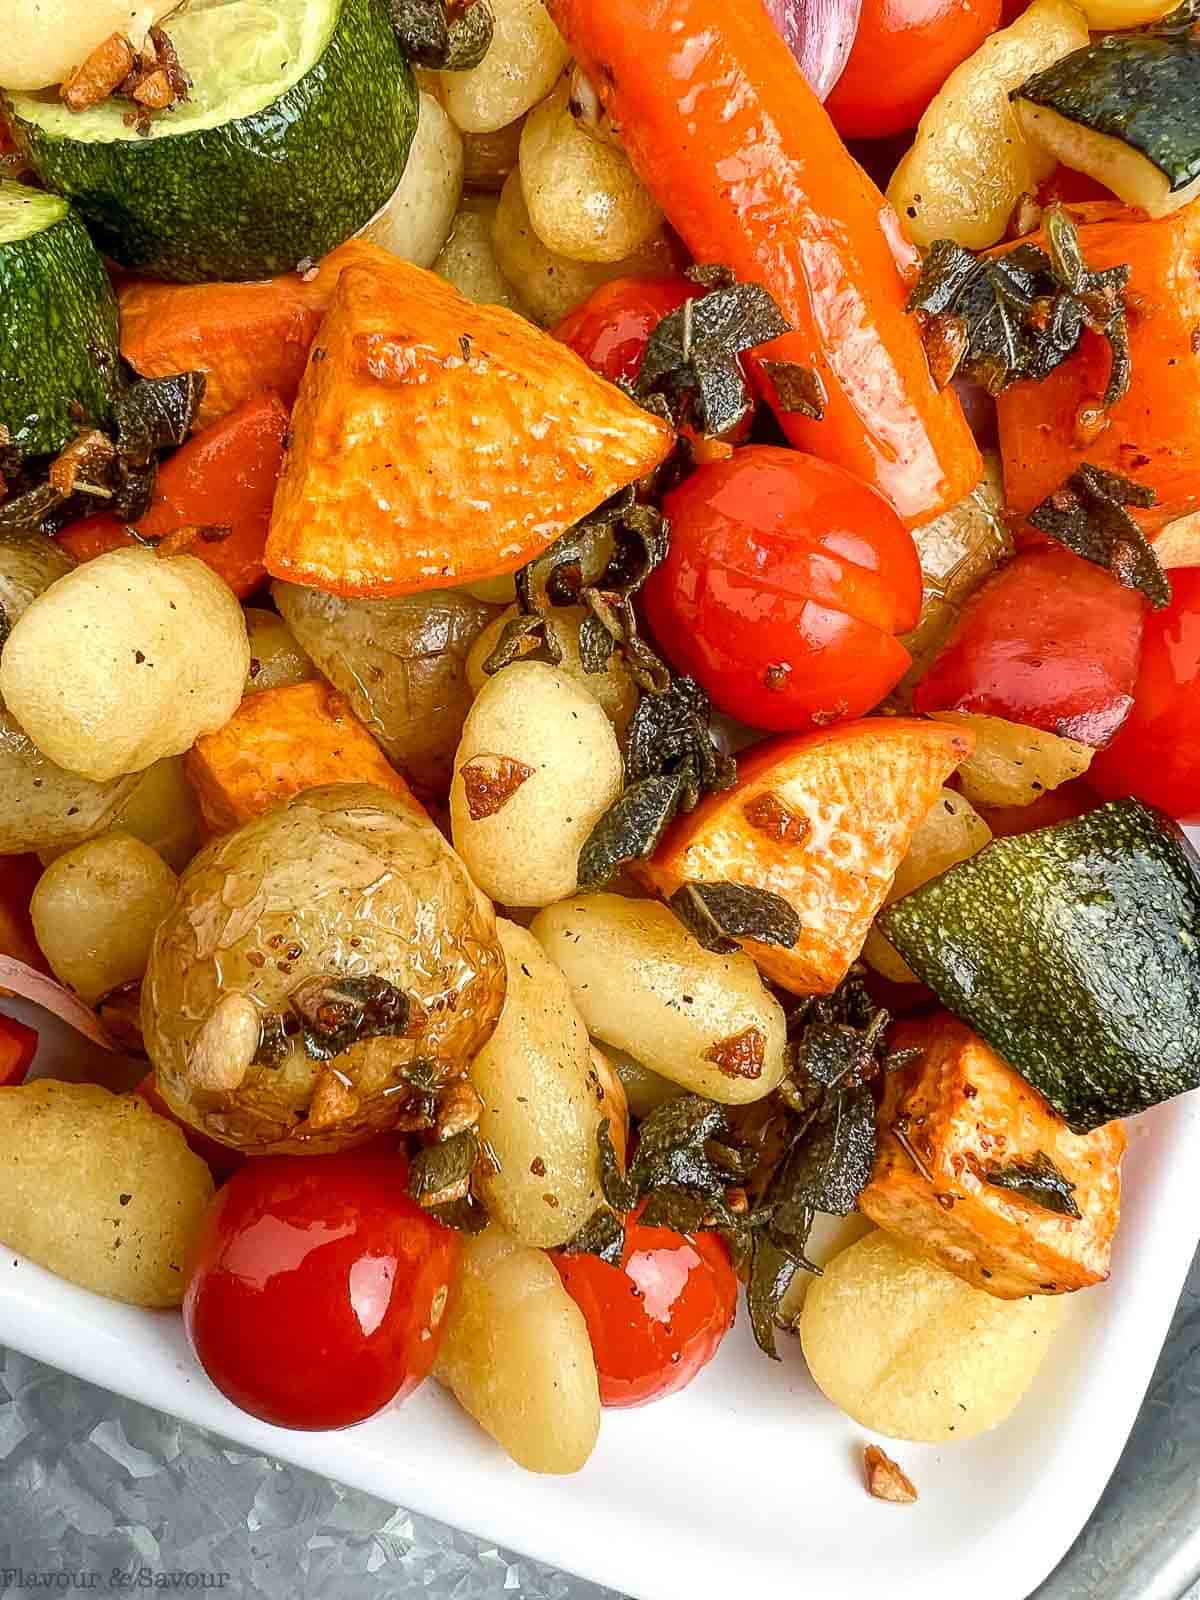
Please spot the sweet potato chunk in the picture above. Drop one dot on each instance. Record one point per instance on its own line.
(823, 819)
(437, 442)
(279, 742)
(966, 1114)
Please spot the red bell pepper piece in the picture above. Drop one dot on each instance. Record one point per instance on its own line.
(223, 477)
(18, 1046)
(1050, 641)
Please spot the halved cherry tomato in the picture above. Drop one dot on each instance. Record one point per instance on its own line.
(612, 327)
(317, 1288)
(784, 584)
(1156, 755)
(18, 1046)
(659, 1317)
(1051, 641)
(903, 52)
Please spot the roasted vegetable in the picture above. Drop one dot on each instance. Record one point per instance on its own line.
(976, 1171)
(322, 968)
(1012, 764)
(1075, 953)
(823, 820)
(385, 491)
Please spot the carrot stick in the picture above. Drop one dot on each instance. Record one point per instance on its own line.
(723, 128)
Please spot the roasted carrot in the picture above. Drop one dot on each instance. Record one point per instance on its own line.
(222, 478)
(1153, 434)
(279, 742)
(722, 126)
(244, 337)
(436, 442)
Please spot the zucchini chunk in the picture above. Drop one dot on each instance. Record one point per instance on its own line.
(975, 1127)
(1125, 110)
(1075, 952)
(297, 130)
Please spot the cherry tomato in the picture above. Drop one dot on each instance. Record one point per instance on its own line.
(18, 1046)
(611, 329)
(1050, 641)
(659, 1317)
(785, 581)
(903, 52)
(1156, 755)
(317, 1288)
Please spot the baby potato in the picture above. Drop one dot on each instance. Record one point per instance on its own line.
(41, 806)
(276, 660)
(526, 55)
(414, 223)
(515, 1352)
(40, 43)
(644, 985)
(468, 261)
(910, 1351)
(613, 689)
(542, 1102)
(95, 910)
(549, 284)
(537, 767)
(99, 1189)
(125, 659)
(584, 199)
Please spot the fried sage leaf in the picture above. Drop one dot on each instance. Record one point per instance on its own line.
(464, 1216)
(432, 38)
(996, 320)
(25, 513)
(439, 1167)
(1038, 1180)
(336, 1011)
(717, 915)
(1088, 514)
(693, 360)
(603, 1235)
(630, 829)
(772, 1270)
(797, 388)
(151, 414)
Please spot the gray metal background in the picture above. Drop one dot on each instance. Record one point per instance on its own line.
(91, 1483)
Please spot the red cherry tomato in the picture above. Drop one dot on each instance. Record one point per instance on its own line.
(610, 330)
(18, 1046)
(1156, 755)
(317, 1288)
(903, 52)
(784, 584)
(1050, 641)
(659, 1317)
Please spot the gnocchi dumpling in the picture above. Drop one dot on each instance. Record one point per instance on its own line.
(416, 220)
(526, 55)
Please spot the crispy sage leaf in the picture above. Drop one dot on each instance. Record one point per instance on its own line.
(630, 829)
(797, 388)
(772, 1270)
(151, 414)
(335, 1011)
(432, 39)
(436, 1167)
(1088, 514)
(603, 1235)
(717, 915)
(1038, 1180)
(618, 1189)
(25, 513)
(464, 1216)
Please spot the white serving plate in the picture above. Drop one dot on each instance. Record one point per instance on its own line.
(749, 1482)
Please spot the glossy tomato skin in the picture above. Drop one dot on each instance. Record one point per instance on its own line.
(1050, 641)
(18, 1046)
(1156, 755)
(659, 1317)
(903, 52)
(317, 1289)
(785, 582)
(612, 327)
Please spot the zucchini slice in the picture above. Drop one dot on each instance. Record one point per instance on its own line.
(1125, 110)
(1075, 952)
(58, 328)
(297, 131)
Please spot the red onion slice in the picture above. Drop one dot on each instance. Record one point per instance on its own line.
(820, 34)
(51, 996)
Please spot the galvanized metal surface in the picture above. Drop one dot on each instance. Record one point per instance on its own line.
(91, 1484)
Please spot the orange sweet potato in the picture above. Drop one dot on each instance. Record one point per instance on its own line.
(436, 441)
(961, 1108)
(1153, 434)
(823, 819)
(243, 336)
(279, 742)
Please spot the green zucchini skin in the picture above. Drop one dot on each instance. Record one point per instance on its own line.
(1075, 952)
(259, 194)
(1140, 89)
(59, 337)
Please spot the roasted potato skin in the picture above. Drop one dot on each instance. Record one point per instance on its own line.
(962, 1107)
(344, 882)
